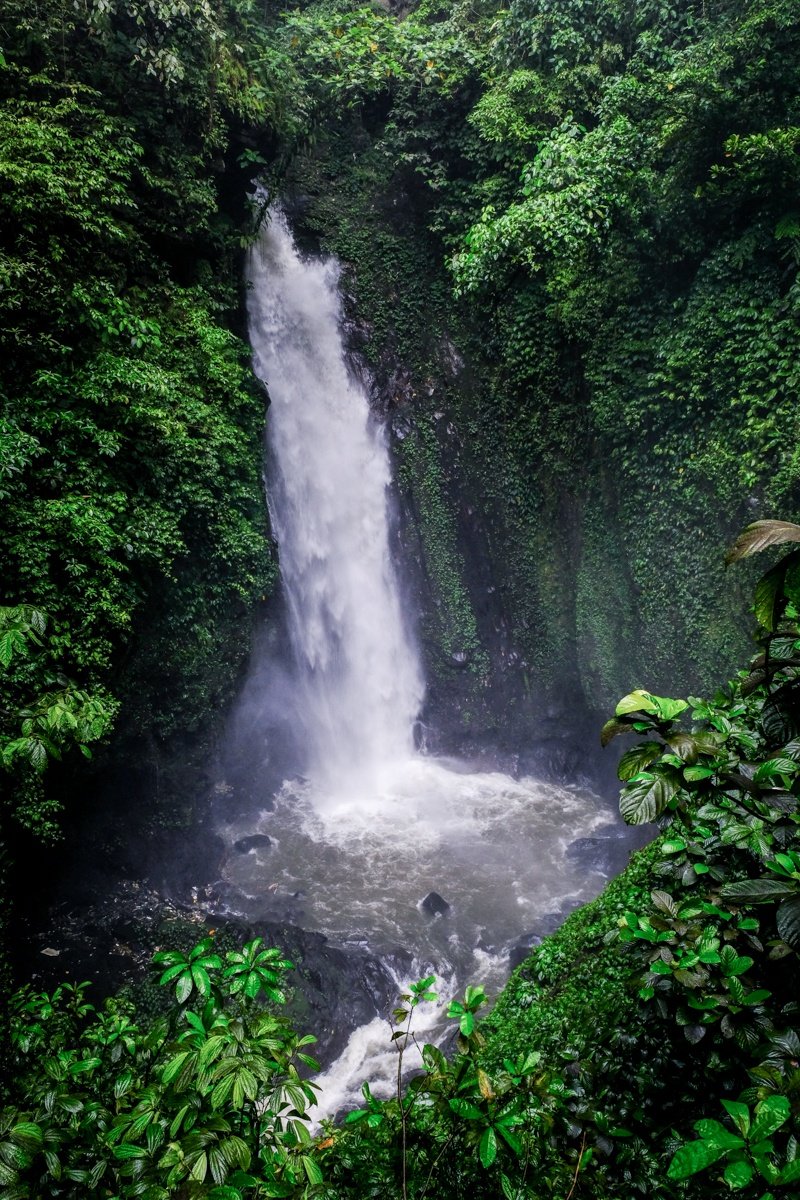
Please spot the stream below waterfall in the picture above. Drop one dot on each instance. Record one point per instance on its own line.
(352, 845)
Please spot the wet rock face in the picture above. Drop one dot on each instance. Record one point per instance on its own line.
(333, 988)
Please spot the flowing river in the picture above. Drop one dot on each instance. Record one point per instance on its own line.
(372, 826)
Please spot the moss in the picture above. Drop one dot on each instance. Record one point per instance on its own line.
(575, 984)
(450, 622)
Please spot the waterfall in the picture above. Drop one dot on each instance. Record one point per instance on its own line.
(358, 672)
(351, 848)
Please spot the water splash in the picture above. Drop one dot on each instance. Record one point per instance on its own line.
(357, 667)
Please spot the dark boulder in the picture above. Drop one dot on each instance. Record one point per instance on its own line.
(255, 841)
(606, 855)
(435, 905)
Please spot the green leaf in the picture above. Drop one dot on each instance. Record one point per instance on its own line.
(313, 1173)
(716, 1134)
(770, 1115)
(791, 1172)
(757, 891)
(126, 1151)
(183, 989)
(672, 846)
(693, 1157)
(612, 729)
(775, 766)
(788, 920)
(465, 1109)
(740, 1114)
(759, 535)
(738, 1174)
(636, 701)
(646, 798)
(638, 757)
(487, 1149)
(697, 774)
(768, 597)
(669, 709)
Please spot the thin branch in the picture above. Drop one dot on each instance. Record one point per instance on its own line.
(577, 1167)
(434, 1165)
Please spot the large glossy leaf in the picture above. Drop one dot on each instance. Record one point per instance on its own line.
(757, 891)
(788, 919)
(768, 597)
(636, 701)
(487, 1150)
(759, 536)
(770, 1115)
(637, 758)
(694, 1157)
(614, 728)
(738, 1174)
(645, 799)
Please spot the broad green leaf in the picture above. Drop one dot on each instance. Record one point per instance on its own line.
(646, 798)
(738, 1174)
(697, 774)
(636, 701)
(637, 758)
(770, 1115)
(788, 920)
(740, 1114)
(756, 891)
(768, 598)
(760, 534)
(465, 1109)
(693, 1157)
(669, 709)
(791, 1172)
(487, 1149)
(183, 989)
(717, 1135)
(312, 1170)
(775, 766)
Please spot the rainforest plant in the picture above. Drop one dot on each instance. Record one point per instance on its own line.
(207, 1101)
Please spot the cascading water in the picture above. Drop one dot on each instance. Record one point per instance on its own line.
(357, 669)
(351, 850)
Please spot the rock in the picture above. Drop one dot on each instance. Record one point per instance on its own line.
(435, 905)
(253, 842)
(521, 950)
(606, 855)
(524, 945)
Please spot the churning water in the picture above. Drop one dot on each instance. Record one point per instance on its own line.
(373, 827)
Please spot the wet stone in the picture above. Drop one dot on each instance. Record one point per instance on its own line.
(435, 905)
(255, 841)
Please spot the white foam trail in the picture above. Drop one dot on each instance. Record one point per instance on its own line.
(357, 667)
(370, 1055)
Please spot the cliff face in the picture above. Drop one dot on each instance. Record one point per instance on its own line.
(583, 336)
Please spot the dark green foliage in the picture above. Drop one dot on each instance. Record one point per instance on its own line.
(206, 1101)
(130, 435)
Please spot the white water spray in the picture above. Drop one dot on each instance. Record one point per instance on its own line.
(358, 671)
